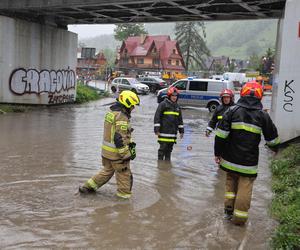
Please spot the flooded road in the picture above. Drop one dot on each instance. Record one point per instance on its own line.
(47, 153)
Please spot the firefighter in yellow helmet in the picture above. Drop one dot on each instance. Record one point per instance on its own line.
(117, 148)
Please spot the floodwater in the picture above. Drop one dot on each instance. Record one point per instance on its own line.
(48, 152)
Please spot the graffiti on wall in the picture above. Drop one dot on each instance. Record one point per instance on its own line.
(53, 82)
(288, 96)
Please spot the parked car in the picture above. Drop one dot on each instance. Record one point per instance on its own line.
(198, 92)
(154, 83)
(127, 83)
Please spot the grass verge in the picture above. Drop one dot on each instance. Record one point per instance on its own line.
(12, 108)
(86, 93)
(285, 205)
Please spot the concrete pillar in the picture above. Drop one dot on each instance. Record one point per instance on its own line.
(37, 63)
(285, 109)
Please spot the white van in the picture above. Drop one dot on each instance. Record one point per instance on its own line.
(198, 92)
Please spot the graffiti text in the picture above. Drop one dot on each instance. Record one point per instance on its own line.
(288, 93)
(31, 81)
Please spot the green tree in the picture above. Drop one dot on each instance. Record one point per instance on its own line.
(110, 56)
(191, 39)
(219, 68)
(267, 61)
(125, 30)
(254, 62)
(231, 66)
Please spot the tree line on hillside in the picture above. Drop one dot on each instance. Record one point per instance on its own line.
(191, 37)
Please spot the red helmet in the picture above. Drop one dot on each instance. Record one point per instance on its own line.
(172, 91)
(252, 88)
(227, 92)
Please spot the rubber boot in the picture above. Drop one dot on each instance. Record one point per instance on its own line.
(160, 155)
(228, 214)
(86, 190)
(168, 156)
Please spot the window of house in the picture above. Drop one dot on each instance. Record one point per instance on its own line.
(198, 86)
(156, 61)
(174, 51)
(140, 61)
(125, 60)
(170, 62)
(154, 50)
(177, 62)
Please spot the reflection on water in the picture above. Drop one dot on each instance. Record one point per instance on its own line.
(47, 153)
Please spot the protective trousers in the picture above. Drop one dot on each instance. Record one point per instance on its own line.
(164, 151)
(238, 196)
(123, 177)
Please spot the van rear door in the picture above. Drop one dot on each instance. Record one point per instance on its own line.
(197, 92)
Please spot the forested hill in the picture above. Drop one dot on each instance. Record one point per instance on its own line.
(236, 39)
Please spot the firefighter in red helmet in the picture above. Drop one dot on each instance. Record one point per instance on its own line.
(236, 149)
(227, 100)
(167, 122)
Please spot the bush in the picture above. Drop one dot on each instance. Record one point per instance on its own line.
(285, 205)
(86, 93)
(7, 108)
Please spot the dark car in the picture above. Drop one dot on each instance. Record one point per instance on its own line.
(154, 83)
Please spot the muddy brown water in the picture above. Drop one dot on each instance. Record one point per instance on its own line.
(47, 153)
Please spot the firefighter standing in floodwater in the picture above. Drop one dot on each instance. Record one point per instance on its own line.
(167, 121)
(227, 100)
(236, 149)
(117, 147)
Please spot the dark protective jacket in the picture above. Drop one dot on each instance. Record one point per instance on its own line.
(117, 133)
(239, 133)
(217, 116)
(167, 121)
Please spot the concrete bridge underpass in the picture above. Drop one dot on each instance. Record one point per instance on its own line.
(38, 54)
(64, 12)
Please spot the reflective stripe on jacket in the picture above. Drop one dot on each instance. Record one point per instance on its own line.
(167, 121)
(218, 115)
(239, 133)
(116, 122)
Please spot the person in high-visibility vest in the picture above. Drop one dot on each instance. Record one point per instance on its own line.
(227, 100)
(117, 148)
(237, 148)
(167, 122)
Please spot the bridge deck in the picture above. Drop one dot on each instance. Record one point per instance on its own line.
(64, 12)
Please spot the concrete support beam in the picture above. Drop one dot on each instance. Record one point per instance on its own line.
(286, 89)
(37, 63)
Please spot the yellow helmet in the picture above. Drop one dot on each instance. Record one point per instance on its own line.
(128, 98)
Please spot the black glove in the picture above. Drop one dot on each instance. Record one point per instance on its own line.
(207, 132)
(132, 151)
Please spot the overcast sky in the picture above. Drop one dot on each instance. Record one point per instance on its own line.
(91, 30)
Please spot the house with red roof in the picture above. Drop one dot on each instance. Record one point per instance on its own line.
(150, 53)
(89, 64)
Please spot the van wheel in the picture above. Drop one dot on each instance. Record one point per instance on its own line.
(212, 106)
(113, 89)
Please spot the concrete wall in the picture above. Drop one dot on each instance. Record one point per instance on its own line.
(37, 63)
(286, 90)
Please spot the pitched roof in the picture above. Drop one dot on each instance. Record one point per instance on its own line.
(139, 46)
(142, 45)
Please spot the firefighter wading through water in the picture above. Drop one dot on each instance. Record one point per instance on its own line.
(227, 100)
(236, 149)
(167, 121)
(117, 148)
